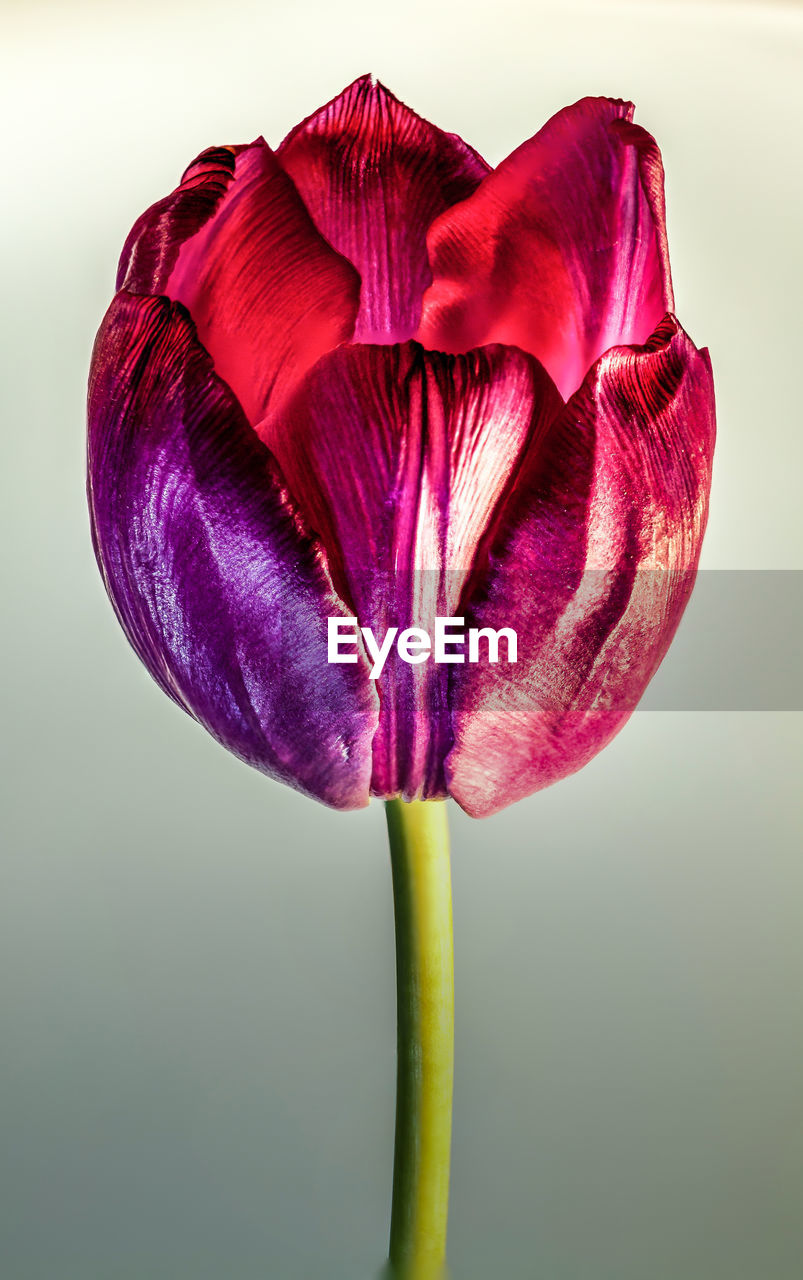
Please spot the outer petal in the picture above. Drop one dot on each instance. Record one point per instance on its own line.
(374, 175)
(593, 566)
(219, 590)
(561, 250)
(401, 456)
(235, 244)
(150, 251)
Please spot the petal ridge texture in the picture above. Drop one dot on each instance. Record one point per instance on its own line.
(596, 556)
(374, 175)
(220, 592)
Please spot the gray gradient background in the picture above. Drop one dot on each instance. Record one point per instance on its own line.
(196, 965)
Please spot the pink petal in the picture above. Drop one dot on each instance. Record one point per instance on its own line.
(401, 456)
(220, 591)
(561, 250)
(593, 565)
(374, 175)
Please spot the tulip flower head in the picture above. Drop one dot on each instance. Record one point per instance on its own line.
(364, 385)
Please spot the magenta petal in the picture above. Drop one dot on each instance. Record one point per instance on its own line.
(374, 175)
(220, 592)
(401, 456)
(593, 565)
(561, 250)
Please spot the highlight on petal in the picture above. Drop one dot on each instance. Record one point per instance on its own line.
(401, 457)
(374, 175)
(219, 589)
(593, 564)
(561, 250)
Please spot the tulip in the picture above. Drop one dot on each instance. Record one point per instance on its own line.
(366, 375)
(366, 380)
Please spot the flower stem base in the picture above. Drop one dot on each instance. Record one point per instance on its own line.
(422, 897)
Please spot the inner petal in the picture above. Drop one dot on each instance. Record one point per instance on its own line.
(374, 175)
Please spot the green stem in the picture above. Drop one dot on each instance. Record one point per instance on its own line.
(422, 897)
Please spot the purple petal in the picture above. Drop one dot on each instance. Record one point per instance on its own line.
(401, 456)
(593, 564)
(561, 250)
(220, 591)
(374, 175)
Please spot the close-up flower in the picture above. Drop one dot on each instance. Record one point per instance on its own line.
(366, 376)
